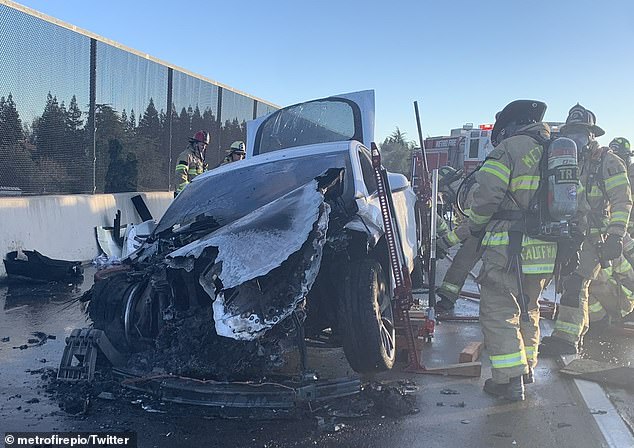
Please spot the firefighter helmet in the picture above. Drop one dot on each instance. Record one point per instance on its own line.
(202, 137)
(621, 147)
(579, 116)
(515, 114)
(237, 147)
(448, 174)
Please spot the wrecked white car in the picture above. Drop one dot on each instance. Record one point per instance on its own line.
(257, 256)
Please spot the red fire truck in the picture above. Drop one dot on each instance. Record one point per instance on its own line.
(465, 148)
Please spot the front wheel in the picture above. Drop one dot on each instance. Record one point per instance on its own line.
(367, 320)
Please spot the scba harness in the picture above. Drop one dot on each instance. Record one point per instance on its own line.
(550, 211)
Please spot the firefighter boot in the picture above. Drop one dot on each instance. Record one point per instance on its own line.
(554, 346)
(597, 328)
(444, 305)
(513, 390)
(529, 378)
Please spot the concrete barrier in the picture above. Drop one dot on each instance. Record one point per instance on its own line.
(63, 227)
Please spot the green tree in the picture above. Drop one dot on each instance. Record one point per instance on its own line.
(51, 130)
(109, 127)
(198, 122)
(10, 123)
(132, 120)
(17, 168)
(149, 124)
(396, 153)
(122, 173)
(79, 163)
(153, 172)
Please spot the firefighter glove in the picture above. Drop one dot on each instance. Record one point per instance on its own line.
(443, 244)
(612, 247)
(479, 234)
(568, 256)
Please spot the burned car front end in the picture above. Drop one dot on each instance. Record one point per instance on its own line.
(255, 256)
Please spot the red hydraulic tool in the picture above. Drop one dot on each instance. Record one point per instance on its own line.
(403, 283)
(403, 298)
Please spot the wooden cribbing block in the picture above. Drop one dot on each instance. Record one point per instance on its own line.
(471, 352)
(464, 369)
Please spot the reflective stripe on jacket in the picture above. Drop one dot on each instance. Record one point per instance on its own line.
(508, 180)
(189, 164)
(605, 193)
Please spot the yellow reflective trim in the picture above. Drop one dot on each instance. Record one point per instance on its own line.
(621, 266)
(616, 180)
(181, 167)
(534, 269)
(500, 166)
(450, 287)
(495, 239)
(504, 178)
(525, 183)
(595, 192)
(453, 238)
(567, 327)
(619, 217)
(530, 352)
(479, 219)
(595, 307)
(506, 361)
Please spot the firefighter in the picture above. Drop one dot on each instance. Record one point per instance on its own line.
(621, 147)
(611, 295)
(604, 204)
(191, 162)
(469, 252)
(236, 152)
(515, 267)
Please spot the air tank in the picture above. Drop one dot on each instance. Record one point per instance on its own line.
(563, 179)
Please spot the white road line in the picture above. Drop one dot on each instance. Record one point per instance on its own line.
(611, 425)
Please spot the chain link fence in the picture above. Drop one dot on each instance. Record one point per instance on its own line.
(82, 115)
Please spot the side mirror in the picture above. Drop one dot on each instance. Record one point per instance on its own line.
(397, 181)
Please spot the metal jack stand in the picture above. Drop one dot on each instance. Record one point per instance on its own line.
(305, 374)
(404, 300)
(80, 354)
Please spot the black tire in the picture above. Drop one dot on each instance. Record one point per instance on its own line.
(367, 320)
(107, 309)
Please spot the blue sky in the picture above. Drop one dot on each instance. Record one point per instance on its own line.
(462, 60)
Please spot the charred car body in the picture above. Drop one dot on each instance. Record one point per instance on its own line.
(260, 253)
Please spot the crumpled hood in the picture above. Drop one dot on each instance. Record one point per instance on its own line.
(233, 191)
(266, 263)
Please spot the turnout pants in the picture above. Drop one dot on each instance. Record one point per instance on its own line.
(612, 292)
(572, 319)
(511, 342)
(608, 298)
(465, 259)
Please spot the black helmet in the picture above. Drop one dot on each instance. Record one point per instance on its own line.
(579, 116)
(621, 147)
(517, 113)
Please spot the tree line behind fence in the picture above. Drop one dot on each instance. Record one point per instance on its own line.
(61, 152)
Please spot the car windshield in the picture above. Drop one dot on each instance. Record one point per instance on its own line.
(322, 121)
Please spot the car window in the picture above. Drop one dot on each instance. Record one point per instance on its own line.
(367, 170)
(321, 121)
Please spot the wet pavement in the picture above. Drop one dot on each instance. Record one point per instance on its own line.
(453, 411)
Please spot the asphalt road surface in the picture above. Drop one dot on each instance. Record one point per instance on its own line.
(554, 415)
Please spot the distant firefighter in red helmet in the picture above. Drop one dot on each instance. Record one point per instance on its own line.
(191, 162)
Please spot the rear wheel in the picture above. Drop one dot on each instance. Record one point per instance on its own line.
(367, 320)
